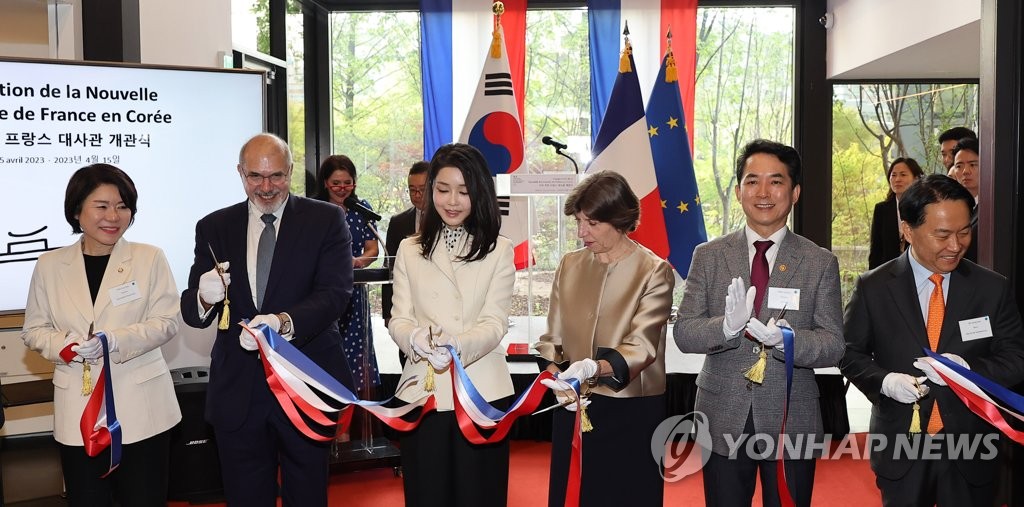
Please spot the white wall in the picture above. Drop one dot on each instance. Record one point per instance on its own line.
(875, 39)
(184, 32)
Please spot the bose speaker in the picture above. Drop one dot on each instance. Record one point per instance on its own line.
(194, 464)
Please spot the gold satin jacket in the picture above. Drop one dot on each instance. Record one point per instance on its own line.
(623, 306)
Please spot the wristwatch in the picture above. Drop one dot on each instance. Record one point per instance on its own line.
(286, 323)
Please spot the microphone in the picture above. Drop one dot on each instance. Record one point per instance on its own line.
(551, 142)
(353, 205)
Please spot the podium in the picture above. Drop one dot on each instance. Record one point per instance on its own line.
(371, 450)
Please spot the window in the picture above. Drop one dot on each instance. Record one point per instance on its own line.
(872, 125)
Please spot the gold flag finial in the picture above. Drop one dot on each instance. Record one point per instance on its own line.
(670, 59)
(624, 65)
(498, 8)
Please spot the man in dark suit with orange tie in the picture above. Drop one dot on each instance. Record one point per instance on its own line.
(931, 297)
(291, 258)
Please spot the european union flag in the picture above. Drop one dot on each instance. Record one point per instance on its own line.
(673, 166)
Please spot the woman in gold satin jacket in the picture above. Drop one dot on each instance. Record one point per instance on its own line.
(610, 303)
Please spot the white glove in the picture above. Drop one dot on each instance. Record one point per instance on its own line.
(930, 372)
(91, 350)
(769, 334)
(738, 307)
(580, 370)
(419, 342)
(561, 389)
(211, 288)
(440, 359)
(73, 338)
(248, 341)
(904, 388)
(447, 338)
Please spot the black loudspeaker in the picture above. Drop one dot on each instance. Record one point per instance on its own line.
(194, 464)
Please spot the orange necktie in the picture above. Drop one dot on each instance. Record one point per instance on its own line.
(936, 312)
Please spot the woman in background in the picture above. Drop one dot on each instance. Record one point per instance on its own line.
(610, 304)
(454, 280)
(886, 242)
(125, 290)
(337, 176)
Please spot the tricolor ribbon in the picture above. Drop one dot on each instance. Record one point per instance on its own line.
(292, 377)
(982, 396)
(473, 412)
(785, 497)
(99, 425)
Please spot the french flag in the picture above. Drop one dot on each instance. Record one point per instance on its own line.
(450, 58)
(493, 120)
(622, 146)
(649, 21)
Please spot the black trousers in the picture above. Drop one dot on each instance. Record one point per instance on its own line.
(140, 480)
(730, 481)
(265, 444)
(935, 482)
(441, 468)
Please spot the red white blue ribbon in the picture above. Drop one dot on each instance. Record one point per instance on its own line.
(473, 412)
(99, 425)
(292, 378)
(982, 396)
(785, 497)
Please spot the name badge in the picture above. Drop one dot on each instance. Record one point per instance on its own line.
(975, 329)
(780, 297)
(124, 293)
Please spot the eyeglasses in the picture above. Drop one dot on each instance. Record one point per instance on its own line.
(339, 188)
(257, 179)
(417, 190)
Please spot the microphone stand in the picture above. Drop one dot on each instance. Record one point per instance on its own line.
(574, 166)
(376, 451)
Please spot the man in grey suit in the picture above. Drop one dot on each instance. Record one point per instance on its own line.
(719, 316)
(929, 294)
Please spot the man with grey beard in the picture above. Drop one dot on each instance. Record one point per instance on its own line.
(292, 258)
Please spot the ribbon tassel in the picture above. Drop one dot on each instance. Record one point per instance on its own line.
(86, 379)
(756, 372)
(915, 419)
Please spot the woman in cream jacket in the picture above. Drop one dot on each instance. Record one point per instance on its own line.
(454, 279)
(126, 291)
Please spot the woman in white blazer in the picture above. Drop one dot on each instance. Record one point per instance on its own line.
(454, 279)
(126, 291)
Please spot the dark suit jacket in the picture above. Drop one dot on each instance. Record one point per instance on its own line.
(885, 234)
(722, 391)
(885, 331)
(972, 251)
(400, 227)
(310, 279)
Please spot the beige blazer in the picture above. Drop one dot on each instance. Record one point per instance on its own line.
(470, 300)
(59, 302)
(623, 306)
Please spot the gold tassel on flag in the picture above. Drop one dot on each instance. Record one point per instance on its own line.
(498, 9)
(670, 59)
(86, 379)
(756, 372)
(624, 65)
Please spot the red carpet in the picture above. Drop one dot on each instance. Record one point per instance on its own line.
(844, 481)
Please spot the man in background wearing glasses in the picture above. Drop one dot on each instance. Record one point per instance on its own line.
(292, 258)
(401, 226)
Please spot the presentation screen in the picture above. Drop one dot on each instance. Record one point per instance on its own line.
(175, 131)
